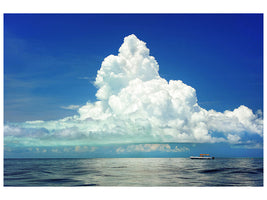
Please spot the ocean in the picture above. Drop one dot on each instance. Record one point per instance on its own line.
(133, 172)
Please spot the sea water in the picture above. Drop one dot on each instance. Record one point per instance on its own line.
(133, 172)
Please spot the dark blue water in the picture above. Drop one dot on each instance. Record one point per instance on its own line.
(133, 172)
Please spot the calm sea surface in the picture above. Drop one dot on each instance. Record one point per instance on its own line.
(133, 172)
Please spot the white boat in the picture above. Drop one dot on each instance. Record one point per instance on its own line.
(203, 157)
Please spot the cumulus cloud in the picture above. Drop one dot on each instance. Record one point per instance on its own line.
(84, 149)
(134, 104)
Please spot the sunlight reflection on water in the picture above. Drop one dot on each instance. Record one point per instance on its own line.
(133, 172)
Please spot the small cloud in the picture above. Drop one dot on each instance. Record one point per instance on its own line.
(71, 107)
(234, 139)
(92, 149)
(84, 149)
(85, 78)
(54, 150)
(120, 150)
(181, 149)
(67, 149)
(77, 148)
(254, 146)
(35, 122)
(8, 149)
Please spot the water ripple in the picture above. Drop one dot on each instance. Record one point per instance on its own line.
(133, 172)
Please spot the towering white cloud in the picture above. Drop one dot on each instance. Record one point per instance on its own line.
(136, 105)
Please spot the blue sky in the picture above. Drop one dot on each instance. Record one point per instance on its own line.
(51, 63)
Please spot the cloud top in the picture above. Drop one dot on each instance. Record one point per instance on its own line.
(134, 104)
(133, 62)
